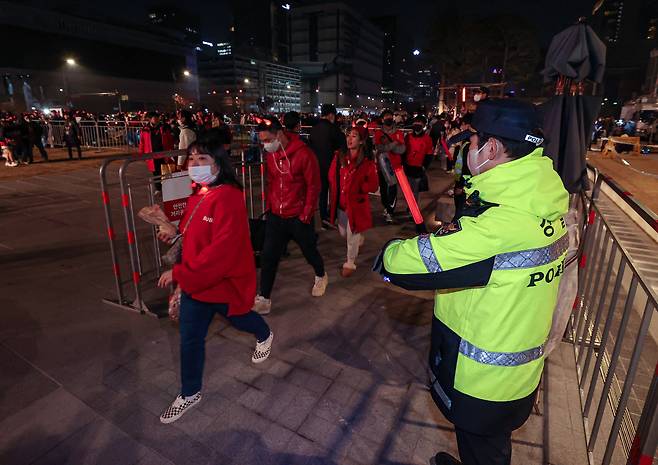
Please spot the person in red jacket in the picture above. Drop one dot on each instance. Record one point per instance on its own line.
(293, 188)
(389, 141)
(418, 154)
(217, 273)
(352, 176)
(155, 137)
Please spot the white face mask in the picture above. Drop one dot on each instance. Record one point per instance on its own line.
(202, 174)
(477, 97)
(272, 146)
(472, 157)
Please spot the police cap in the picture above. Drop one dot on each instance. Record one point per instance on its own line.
(506, 118)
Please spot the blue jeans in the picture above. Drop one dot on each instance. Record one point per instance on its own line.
(195, 318)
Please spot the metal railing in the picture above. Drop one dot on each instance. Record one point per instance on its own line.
(120, 134)
(614, 343)
(141, 251)
(98, 134)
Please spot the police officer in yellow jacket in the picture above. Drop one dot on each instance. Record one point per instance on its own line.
(496, 270)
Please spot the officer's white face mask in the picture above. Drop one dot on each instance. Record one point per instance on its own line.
(472, 160)
(202, 174)
(477, 97)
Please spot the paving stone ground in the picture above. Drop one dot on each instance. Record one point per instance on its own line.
(84, 383)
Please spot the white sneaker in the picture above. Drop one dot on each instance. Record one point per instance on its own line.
(263, 349)
(179, 407)
(388, 218)
(262, 305)
(320, 285)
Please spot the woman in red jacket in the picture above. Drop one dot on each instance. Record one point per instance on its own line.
(217, 273)
(352, 176)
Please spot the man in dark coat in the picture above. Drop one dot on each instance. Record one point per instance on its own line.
(325, 138)
(34, 132)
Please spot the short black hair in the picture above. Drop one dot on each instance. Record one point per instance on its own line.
(514, 148)
(467, 118)
(327, 109)
(269, 123)
(291, 120)
(212, 142)
(419, 119)
(386, 112)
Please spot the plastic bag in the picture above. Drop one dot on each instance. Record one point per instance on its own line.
(568, 287)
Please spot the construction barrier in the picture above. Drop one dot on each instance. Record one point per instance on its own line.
(614, 340)
(124, 191)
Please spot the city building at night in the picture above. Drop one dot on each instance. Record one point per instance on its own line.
(70, 60)
(628, 28)
(340, 54)
(263, 31)
(234, 82)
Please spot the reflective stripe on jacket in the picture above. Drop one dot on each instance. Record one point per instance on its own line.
(496, 271)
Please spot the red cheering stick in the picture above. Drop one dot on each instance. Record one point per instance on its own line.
(408, 195)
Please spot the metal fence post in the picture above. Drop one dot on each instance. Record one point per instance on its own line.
(646, 437)
(110, 231)
(134, 261)
(628, 382)
(98, 135)
(628, 308)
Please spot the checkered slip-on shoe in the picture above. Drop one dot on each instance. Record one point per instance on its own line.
(263, 349)
(179, 407)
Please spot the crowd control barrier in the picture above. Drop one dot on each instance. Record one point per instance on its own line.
(112, 134)
(614, 331)
(136, 253)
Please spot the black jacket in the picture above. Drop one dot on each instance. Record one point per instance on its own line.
(325, 139)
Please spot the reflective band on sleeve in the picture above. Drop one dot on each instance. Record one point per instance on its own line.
(427, 254)
(531, 257)
(436, 386)
(503, 359)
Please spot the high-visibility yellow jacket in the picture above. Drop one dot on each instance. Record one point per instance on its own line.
(496, 271)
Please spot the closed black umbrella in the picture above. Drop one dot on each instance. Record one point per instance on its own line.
(576, 55)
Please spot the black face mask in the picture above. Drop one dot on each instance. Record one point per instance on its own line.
(418, 129)
(388, 121)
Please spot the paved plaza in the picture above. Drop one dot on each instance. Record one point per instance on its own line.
(84, 383)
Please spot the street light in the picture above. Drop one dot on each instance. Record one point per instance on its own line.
(70, 61)
(186, 73)
(416, 52)
(246, 80)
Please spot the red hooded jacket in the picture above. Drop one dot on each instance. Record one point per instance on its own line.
(417, 148)
(146, 146)
(293, 181)
(218, 261)
(355, 183)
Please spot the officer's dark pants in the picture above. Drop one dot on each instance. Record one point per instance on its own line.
(389, 194)
(278, 232)
(483, 428)
(475, 449)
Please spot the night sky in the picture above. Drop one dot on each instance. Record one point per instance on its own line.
(416, 18)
